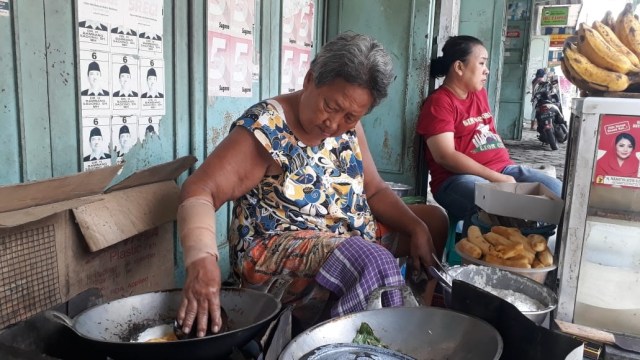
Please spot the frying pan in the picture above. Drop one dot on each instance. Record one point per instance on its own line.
(110, 328)
(425, 333)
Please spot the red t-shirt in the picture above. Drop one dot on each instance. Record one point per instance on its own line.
(471, 122)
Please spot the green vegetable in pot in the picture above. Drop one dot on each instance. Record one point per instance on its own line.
(365, 336)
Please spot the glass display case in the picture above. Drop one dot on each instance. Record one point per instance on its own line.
(599, 255)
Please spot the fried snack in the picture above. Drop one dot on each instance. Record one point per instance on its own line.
(507, 262)
(537, 264)
(469, 248)
(515, 235)
(474, 235)
(545, 257)
(495, 239)
(510, 251)
(538, 242)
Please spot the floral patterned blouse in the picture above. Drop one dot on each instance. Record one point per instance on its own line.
(321, 187)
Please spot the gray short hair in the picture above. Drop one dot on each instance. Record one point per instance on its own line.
(357, 59)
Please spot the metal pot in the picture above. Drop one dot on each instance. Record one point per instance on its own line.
(111, 327)
(420, 332)
(401, 189)
(501, 279)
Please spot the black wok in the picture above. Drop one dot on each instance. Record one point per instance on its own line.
(111, 327)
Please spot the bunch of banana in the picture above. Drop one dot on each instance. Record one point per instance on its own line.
(589, 77)
(609, 20)
(627, 28)
(611, 38)
(592, 45)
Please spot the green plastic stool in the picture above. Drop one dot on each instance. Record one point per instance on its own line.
(451, 256)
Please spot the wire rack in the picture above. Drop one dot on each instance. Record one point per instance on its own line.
(29, 281)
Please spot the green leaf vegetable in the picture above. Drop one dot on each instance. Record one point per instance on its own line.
(365, 336)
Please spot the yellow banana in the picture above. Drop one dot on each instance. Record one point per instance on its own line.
(592, 45)
(611, 38)
(609, 20)
(627, 29)
(576, 80)
(597, 78)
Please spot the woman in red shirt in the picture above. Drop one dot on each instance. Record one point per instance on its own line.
(463, 146)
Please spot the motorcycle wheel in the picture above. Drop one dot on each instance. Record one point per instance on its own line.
(562, 134)
(551, 139)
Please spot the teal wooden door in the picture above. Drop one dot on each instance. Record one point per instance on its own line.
(405, 28)
(514, 70)
(485, 19)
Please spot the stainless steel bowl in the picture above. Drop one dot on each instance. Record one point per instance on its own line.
(401, 189)
(537, 274)
(501, 279)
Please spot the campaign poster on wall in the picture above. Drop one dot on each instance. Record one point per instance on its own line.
(298, 23)
(618, 159)
(96, 136)
(121, 74)
(230, 51)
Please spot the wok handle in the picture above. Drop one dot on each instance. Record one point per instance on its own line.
(375, 299)
(60, 318)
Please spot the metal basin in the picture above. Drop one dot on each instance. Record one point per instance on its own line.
(401, 189)
(482, 276)
(423, 333)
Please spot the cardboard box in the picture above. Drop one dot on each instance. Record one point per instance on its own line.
(62, 236)
(528, 201)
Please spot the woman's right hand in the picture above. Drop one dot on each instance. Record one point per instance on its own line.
(201, 297)
(502, 178)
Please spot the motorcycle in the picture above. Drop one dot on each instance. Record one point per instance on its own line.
(552, 128)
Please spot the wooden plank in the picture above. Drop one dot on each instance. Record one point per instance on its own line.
(180, 82)
(10, 134)
(21, 196)
(63, 85)
(32, 89)
(197, 78)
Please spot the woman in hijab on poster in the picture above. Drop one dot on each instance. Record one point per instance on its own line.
(621, 160)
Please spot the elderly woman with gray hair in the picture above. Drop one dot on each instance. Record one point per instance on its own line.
(309, 204)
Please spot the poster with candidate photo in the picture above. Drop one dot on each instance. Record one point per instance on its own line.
(231, 62)
(618, 159)
(147, 18)
(148, 126)
(121, 71)
(94, 18)
(123, 34)
(95, 83)
(298, 22)
(151, 87)
(96, 136)
(232, 17)
(125, 79)
(124, 132)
